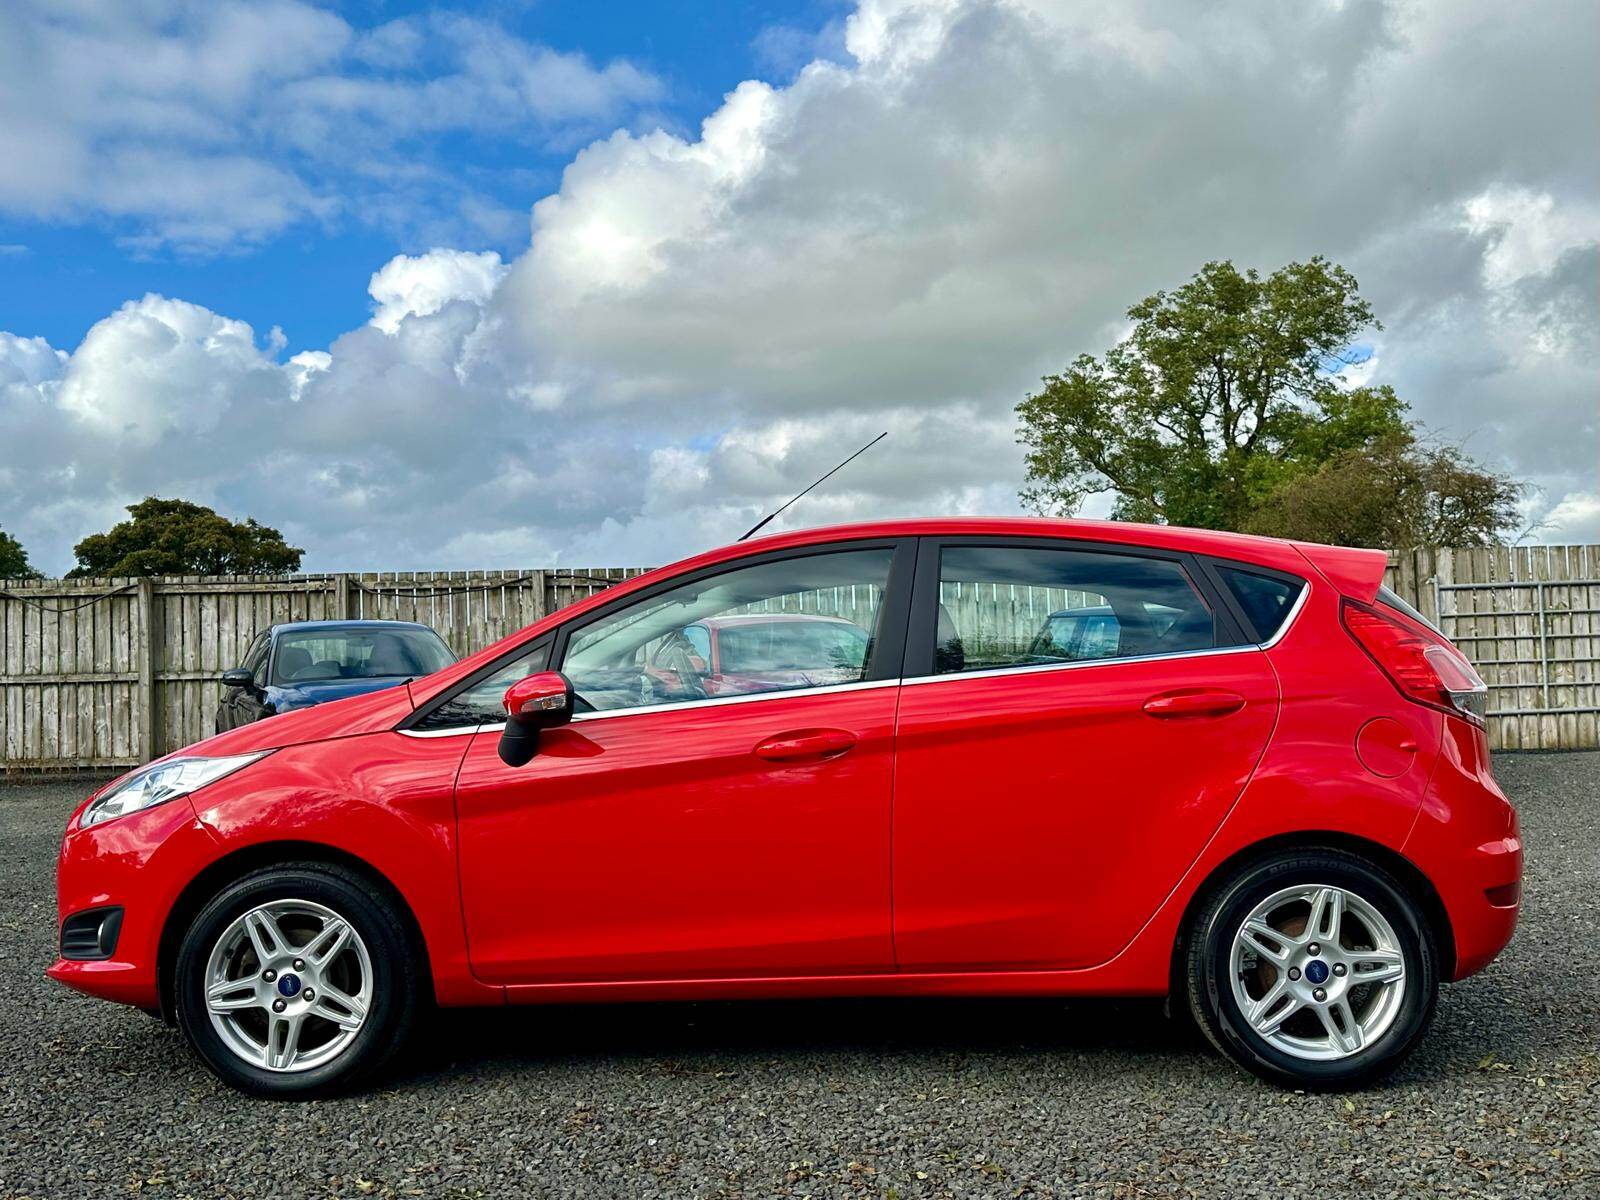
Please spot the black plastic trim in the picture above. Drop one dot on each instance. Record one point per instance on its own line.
(544, 641)
(91, 935)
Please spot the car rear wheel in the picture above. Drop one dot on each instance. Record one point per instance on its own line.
(296, 980)
(1315, 969)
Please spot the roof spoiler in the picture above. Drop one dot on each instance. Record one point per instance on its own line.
(1355, 573)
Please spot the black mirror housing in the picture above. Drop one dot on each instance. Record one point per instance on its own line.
(237, 677)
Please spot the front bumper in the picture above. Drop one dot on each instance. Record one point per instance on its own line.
(139, 863)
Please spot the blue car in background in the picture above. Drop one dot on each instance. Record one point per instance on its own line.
(303, 663)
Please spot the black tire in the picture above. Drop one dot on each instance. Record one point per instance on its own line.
(1206, 966)
(395, 991)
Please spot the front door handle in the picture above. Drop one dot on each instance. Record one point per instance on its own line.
(1171, 705)
(806, 745)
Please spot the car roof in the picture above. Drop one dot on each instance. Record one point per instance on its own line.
(297, 626)
(1212, 541)
(769, 619)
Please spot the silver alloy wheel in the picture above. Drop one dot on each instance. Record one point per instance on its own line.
(288, 985)
(1317, 972)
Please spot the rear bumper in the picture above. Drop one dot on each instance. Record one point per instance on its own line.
(1467, 841)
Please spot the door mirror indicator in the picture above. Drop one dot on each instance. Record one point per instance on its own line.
(540, 701)
(237, 677)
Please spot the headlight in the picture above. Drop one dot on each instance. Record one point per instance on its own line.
(166, 780)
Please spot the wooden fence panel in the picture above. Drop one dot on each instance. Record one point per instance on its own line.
(1528, 617)
(96, 674)
(68, 675)
(104, 673)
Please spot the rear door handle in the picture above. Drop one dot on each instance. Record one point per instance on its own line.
(1172, 705)
(806, 745)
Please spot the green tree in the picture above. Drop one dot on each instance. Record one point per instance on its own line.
(177, 537)
(14, 559)
(1226, 393)
(1393, 493)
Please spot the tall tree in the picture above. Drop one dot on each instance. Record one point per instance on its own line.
(14, 559)
(1228, 391)
(177, 537)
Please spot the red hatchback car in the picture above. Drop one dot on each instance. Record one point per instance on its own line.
(1262, 788)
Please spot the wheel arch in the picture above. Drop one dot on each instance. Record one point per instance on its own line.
(1411, 877)
(229, 867)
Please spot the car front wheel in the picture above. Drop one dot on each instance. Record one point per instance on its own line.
(296, 980)
(1315, 969)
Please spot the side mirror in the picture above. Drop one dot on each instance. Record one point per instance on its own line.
(237, 677)
(539, 701)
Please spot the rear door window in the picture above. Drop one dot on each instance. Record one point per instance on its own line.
(1015, 606)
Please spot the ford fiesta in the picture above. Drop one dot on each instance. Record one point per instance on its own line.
(1018, 757)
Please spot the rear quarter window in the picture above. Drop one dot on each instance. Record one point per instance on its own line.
(1266, 599)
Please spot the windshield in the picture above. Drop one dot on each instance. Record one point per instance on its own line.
(791, 646)
(317, 655)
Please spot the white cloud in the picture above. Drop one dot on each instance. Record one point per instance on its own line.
(204, 124)
(158, 368)
(1529, 232)
(905, 240)
(1576, 519)
(28, 361)
(420, 285)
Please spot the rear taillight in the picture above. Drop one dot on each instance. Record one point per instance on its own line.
(1425, 667)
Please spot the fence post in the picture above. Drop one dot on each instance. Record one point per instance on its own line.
(343, 598)
(147, 650)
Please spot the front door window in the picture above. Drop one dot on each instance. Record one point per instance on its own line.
(781, 625)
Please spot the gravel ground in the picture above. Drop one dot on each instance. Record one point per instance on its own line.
(881, 1099)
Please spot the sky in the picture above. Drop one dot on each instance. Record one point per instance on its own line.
(514, 284)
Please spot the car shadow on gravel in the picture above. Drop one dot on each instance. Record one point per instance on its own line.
(1476, 1018)
(513, 1039)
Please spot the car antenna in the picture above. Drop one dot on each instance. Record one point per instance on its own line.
(756, 528)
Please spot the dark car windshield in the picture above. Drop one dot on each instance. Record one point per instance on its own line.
(318, 655)
(791, 645)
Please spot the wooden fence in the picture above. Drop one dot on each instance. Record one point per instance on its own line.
(105, 673)
(1529, 618)
(98, 674)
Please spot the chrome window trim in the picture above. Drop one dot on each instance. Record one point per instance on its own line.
(671, 706)
(1035, 668)
(449, 731)
(862, 685)
(1288, 621)
(868, 684)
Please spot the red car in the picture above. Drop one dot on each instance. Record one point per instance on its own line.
(763, 652)
(1264, 790)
